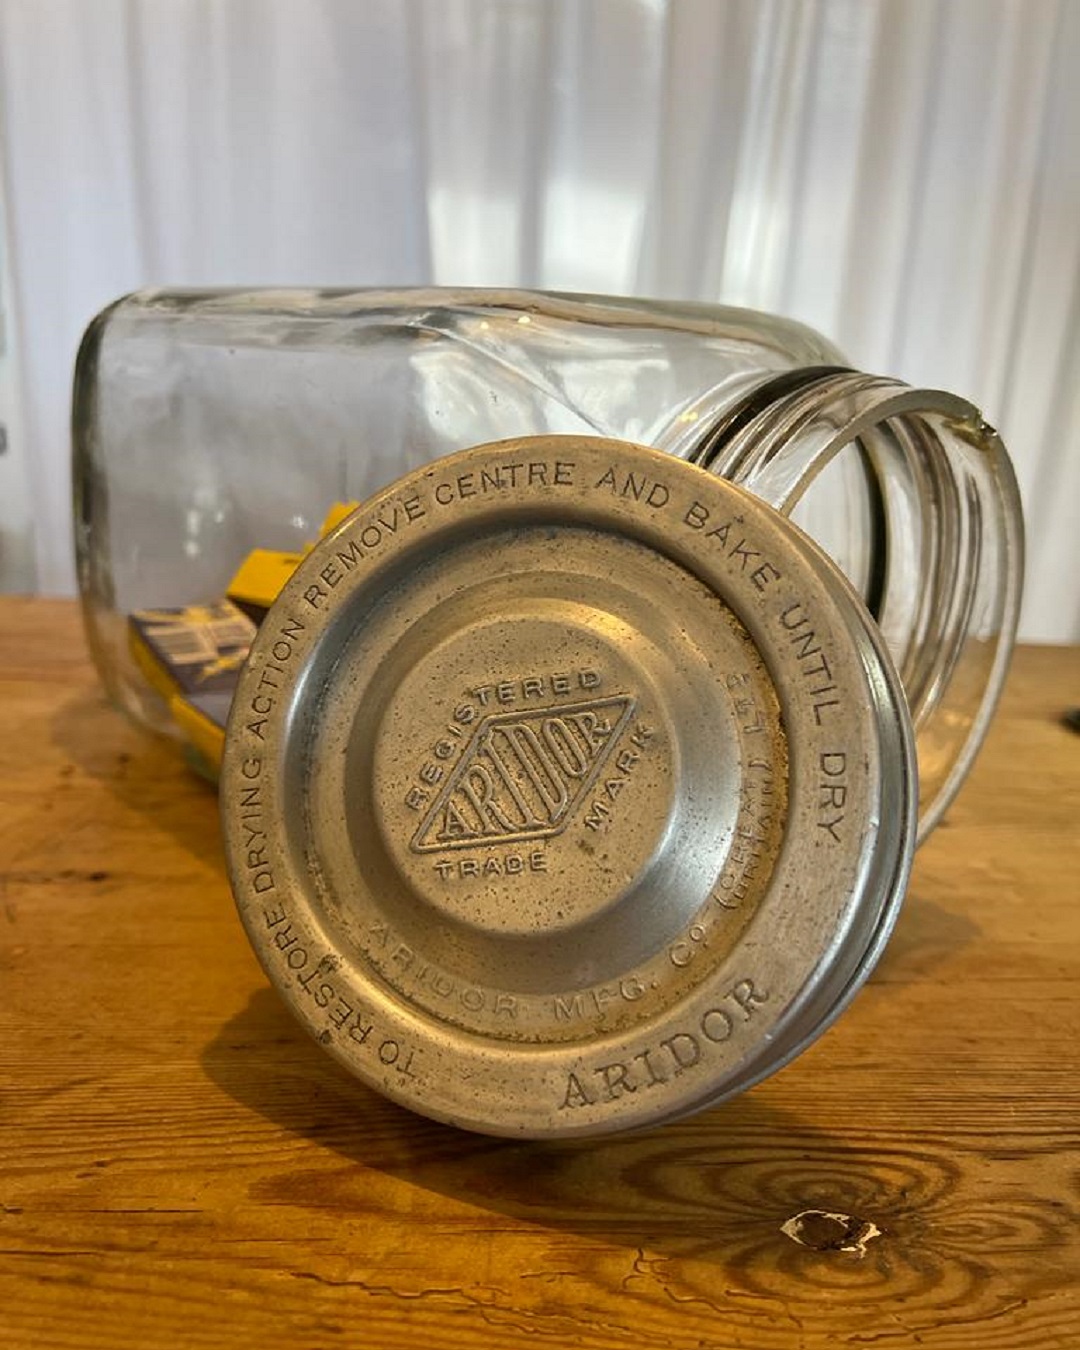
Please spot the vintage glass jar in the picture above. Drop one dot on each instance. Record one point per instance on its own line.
(210, 424)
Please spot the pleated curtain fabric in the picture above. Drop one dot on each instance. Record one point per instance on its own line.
(902, 174)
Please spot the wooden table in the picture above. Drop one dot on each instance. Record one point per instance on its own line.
(182, 1167)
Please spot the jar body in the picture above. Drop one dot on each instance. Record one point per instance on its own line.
(210, 424)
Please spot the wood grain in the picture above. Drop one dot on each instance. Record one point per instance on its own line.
(180, 1166)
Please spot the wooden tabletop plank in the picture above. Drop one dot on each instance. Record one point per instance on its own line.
(181, 1166)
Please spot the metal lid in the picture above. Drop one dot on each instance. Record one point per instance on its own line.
(567, 789)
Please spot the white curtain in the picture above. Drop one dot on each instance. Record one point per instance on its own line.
(902, 174)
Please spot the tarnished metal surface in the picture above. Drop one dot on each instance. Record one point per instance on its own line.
(567, 789)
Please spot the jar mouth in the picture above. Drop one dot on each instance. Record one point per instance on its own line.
(927, 527)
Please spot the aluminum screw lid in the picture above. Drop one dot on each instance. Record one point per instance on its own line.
(568, 789)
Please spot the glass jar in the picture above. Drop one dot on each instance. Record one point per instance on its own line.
(207, 425)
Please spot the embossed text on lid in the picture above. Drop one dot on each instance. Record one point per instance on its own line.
(567, 799)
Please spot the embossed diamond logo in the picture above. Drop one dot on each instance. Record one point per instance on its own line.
(523, 774)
